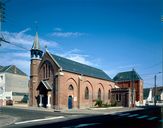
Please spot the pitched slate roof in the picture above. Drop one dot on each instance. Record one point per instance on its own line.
(12, 69)
(127, 76)
(75, 67)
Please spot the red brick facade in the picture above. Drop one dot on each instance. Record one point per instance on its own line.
(60, 81)
(138, 87)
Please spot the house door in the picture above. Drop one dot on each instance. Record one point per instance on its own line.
(70, 102)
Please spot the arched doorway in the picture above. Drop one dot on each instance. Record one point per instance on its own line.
(70, 102)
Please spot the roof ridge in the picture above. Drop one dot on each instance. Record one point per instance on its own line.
(9, 66)
(126, 71)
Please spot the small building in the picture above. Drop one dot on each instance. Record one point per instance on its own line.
(149, 94)
(13, 84)
(133, 81)
(121, 97)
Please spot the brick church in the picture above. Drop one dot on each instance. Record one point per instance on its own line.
(60, 83)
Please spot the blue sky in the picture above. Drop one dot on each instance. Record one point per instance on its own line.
(113, 35)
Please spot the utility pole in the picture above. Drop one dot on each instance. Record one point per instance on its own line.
(155, 92)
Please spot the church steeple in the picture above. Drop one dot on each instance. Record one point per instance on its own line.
(36, 52)
(36, 56)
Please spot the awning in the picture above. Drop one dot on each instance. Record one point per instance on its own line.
(45, 84)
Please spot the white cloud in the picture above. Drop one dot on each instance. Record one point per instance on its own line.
(12, 55)
(57, 29)
(75, 55)
(22, 39)
(68, 34)
(129, 67)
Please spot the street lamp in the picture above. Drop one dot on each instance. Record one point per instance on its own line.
(155, 88)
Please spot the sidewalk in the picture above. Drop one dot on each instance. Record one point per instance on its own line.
(94, 111)
(99, 111)
(6, 120)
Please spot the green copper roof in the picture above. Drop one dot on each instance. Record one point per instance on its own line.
(127, 76)
(75, 67)
(11, 69)
(36, 44)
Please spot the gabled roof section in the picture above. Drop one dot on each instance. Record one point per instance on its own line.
(1, 67)
(45, 84)
(12, 69)
(127, 76)
(75, 67)
(36, 44)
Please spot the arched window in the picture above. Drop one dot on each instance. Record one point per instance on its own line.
(99, 94)
(86, 93)
(49, 70)
(44, 72)
(70, 88)
(47, 67)
(109, 94)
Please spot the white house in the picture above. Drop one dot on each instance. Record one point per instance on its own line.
(13, 84)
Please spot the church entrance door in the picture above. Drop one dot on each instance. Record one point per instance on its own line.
(70, 102)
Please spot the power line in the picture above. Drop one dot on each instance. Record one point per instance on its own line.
(2, 39)
(154, 65)
(2, 17)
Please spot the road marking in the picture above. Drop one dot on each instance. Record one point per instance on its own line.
(38, 120)
(125, 114)
(133, 115)
(152, 118)
(141, 117)
(84, 125)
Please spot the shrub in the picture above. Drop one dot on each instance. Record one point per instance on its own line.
(106, 105)
(113, 104)
(98, 103)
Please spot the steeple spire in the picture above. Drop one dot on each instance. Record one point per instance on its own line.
(36, 43)
(36, 52)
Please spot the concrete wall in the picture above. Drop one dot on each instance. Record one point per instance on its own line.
(16, 83)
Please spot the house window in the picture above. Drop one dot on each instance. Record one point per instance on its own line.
(70, 88)
(86, 93)
(99, 94)
(109, 94)
(118, 97)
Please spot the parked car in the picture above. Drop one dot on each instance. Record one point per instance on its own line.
(9, 102)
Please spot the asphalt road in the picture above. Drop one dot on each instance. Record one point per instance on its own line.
(39, 117)
(151, 117)
(147, 118)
